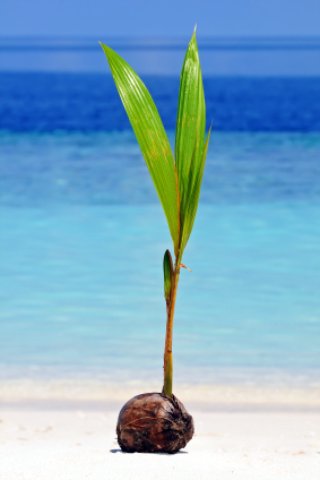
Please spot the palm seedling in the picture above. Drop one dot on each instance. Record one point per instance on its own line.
(158, 422)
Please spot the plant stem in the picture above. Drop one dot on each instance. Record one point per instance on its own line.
(168, 361)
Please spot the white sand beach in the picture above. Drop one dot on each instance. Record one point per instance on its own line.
(251, 434)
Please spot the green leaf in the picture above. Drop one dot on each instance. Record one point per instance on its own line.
(168, 274)
(194, 195)
(190, 133)
(151, 136)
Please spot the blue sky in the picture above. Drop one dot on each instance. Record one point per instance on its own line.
(159, 18)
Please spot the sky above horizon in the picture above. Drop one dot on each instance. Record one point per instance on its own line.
(163, 18)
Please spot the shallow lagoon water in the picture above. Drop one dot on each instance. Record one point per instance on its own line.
(82, 239)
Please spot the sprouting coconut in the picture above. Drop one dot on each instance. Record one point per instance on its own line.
(158, 422)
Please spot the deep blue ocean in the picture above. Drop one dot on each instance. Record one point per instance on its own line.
(82, 234)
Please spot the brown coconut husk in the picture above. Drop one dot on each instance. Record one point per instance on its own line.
(152, 422)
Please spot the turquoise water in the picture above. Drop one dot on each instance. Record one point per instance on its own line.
(82, 239)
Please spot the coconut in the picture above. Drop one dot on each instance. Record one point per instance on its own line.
(153, 422)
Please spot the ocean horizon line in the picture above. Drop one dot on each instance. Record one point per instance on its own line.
(87, 43)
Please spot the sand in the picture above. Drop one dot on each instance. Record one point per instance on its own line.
(274, 438)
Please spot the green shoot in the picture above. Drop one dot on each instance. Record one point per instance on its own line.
(177, 178)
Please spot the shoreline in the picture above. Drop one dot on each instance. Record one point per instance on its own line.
(99, 395)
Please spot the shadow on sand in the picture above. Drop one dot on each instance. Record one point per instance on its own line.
(118, 450)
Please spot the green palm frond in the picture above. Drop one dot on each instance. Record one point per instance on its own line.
(177, 180)
(193, 196)
(151, 136)
(190, 145)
